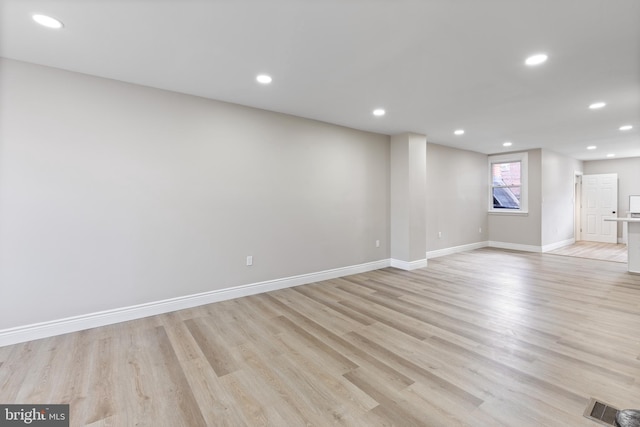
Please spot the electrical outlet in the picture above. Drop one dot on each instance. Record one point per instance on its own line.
(480, 230)
(377, 243)
(249, 260)
(439, 234)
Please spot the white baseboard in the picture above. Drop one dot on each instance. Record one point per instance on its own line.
(515, 246)
(408, 265)
(553, 246)
(93, 320)
(456, 249)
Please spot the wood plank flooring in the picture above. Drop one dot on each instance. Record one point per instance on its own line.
(594, 250)
(481, 338)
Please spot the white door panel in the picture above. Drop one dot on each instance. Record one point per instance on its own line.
(592, 199)
(599, 201)
(591, 224)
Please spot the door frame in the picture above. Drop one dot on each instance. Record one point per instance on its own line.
(577, 205)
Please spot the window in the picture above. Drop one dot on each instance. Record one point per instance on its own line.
(508, 183)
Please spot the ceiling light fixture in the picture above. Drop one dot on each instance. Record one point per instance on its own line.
(264, 79)
(536, 59)
(591, 147)
(611, 155)
(378, 112)
(597, 105)
(507, 144)
(626, 127)
(47, 21)
(459, 132)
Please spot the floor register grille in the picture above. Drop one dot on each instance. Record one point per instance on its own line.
(601, 412)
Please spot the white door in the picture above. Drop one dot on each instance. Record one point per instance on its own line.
(599, 201)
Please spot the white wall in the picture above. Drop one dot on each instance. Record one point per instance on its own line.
(558, 174)
(628, 171)
(457, 188)
(113, 195)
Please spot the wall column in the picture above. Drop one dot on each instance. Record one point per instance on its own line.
(408, 201)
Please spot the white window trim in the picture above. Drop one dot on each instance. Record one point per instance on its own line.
(523, 158)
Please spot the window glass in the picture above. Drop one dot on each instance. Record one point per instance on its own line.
(506, 185)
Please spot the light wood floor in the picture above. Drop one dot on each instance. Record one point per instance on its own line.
(594, 250)
(482, 338)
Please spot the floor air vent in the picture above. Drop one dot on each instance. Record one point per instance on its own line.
(601, 412)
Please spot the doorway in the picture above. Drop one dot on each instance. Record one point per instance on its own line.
(599, 200)
(600, 197)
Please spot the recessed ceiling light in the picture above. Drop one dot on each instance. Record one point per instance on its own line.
(459, 132)
(611, 155)
(47, 21)
(536, 59)
(507, 144)
(626, 127)
(379, 112)
(597, 105)
(591, 147)
(264, 79)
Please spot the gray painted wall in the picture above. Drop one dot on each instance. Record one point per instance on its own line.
(113, 195)
(457, 186)
(407, 199)
(558, 175)
(521, 229)
(628, 171)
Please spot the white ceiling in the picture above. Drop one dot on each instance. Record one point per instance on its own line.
(434, 65)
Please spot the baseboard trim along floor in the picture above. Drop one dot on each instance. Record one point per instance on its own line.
(109, 317)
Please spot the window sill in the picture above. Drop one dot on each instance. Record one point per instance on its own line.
(509, 213)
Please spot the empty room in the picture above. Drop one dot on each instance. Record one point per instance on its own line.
(295, 212)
